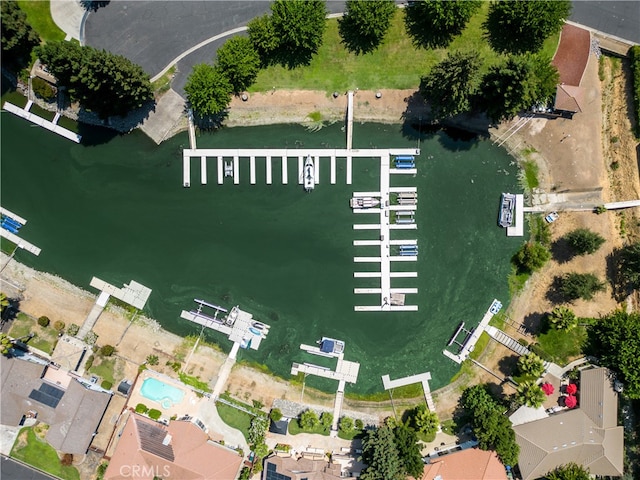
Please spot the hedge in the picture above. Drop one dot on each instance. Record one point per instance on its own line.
(634, 53)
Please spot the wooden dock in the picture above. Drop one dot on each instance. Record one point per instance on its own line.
(518, 229)
(35, 119)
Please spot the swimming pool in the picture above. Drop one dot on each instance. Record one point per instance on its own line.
(165, 395)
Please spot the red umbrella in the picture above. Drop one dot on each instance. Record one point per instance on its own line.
(547, 388)
(570, 401)
(572, 389)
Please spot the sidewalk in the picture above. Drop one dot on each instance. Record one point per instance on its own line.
(68, 14)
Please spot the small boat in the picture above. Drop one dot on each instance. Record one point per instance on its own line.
(309, 174)
(507, 206)
(364, 202)
(331, 345)
(228, 168)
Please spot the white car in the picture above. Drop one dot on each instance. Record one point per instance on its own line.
(552, 217)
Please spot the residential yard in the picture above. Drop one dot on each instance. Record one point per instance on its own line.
(106, 368)
(45, 337)
(32, 448)
(563, 346)
(397, 64)
(235, 418)
(39, 17)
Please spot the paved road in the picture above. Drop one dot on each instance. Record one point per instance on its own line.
(153, 33)
(621, 19)
(12, 470)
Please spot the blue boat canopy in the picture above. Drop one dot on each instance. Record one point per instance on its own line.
(327, 346)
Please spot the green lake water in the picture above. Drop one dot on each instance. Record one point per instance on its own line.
(116, 209)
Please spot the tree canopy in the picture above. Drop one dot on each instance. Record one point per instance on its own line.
(490, 426)
(208, 90)
(18, 38)
(530, 364)
(515, 84)
(562, 318)
(365, 23)
(380, 454)
(629, 266)
(531, 257)
(615, 340)
(423, 420)
(239, 61)
(100, 81)
(570, 471)
(451, 84)
(406, 442)
(530, 394)
(583, 241)
(522, 26)
(434, 23)
(292, 34)
(580, 285)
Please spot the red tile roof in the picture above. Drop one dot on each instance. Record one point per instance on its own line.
(469, 464)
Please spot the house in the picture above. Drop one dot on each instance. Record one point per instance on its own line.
(311, 466)
(571, 60)
(588, 435)
(468, 464)
(71, 406)
(182, 450)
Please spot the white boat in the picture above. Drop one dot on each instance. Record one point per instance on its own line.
(331, 346)
(228, 168)
(309, 174)
(364, 202)
(507, 206)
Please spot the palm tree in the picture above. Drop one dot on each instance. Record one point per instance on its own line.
(4, 302)
(424, 420)
(562, 318)
(530, 394)
(531, 364)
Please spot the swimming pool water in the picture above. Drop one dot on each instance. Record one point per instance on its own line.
(160, 392)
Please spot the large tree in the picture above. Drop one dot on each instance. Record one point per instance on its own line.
(519, 26)
(584, 241)
(515, 84)
(434, 23)
(406, 442)
(208, 90)
(580, 285)
(380, 454)
(18, 38)
(570, 471)
(451, 84)
(365, 23)
(562, 318)
(100, 81)
(292, 34)
(530, 364)
(239, 61)
(616, 341)
(629, 266)
(531, 257)
(530, 394)
(424, 421)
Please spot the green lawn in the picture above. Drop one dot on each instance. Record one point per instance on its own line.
(45, 339)
(397, 64)
(40, 454)
(294, 429)
(480, 345)
(235, 418)
(563, 346)
(6, 246)
(39, 17)
(105, 370)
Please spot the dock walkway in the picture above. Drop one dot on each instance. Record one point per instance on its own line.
(422, 378)
(518, 229)
(507, 341)
(35, 119)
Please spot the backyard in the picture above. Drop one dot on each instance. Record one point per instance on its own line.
(45, 338)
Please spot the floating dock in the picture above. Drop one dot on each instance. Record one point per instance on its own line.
(422, 378)
(517, 230)
(35, 119)
(13, 238)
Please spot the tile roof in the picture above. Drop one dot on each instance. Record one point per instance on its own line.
(468, 464)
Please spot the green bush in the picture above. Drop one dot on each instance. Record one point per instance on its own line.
(91, 338)
(107, 350)
(634, 53)
(59, 325)
(583, 241)
(531, 257)
(42, 89)
(276, 415)
(154, 414)
(580, 285)
(359, 424)
(141, 408)
(44, 321)
(106, 384)
(152, 359)
(73, 330)
(89, 363)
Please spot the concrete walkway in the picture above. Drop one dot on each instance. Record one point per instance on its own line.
(68, 14)
(166, 119)
(208, 414)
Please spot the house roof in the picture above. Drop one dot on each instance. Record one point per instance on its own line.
(73, 417)
(598, 445)
(289, 468)
(468, 464)
(572, 55)
(181, 450)
(568, 98)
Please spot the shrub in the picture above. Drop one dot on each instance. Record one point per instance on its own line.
(67, 459)
(106, 384)
(276, 415)
(43, 89)
(257, 404)
(308, 420)
(359, 424)
(44, 321)
(59, 325)
(345, 424)
(154, 414)
(326, 419)
(107, 350)
(141, 408)
(89, 363)
(73, 330)
(152, 359)
(91, 338)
